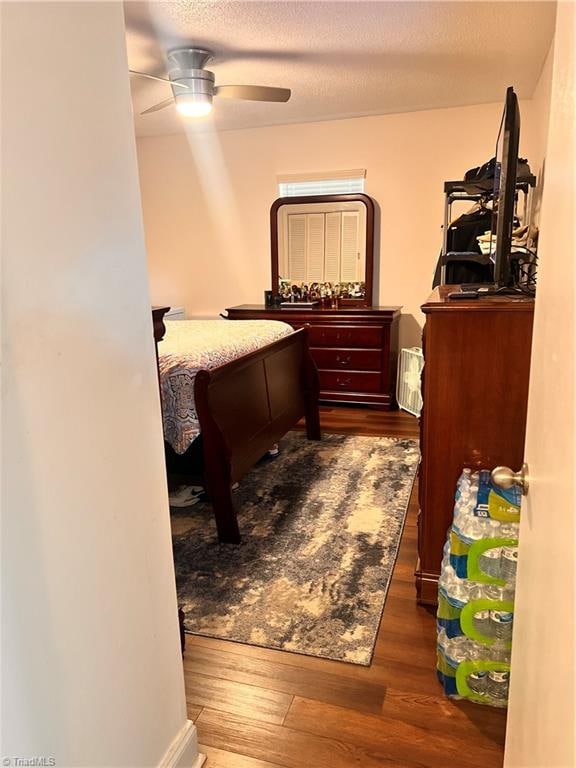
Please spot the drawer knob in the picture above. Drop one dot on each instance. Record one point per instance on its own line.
(343, 360)
(343, 382)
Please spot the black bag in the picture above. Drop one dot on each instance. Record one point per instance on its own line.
(481, 179)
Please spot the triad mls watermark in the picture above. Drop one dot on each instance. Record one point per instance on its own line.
(43, 761)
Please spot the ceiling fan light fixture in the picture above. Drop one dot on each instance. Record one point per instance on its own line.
(193, 87)
(193, 104)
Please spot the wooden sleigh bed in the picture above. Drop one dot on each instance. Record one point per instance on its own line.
(243, 408)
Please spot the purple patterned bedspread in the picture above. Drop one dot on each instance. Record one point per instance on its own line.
(192, 345)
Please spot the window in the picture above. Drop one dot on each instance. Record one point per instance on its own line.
(327, 183)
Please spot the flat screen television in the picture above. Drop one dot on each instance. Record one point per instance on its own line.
(505, 188)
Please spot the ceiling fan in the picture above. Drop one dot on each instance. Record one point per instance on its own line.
(193, 87)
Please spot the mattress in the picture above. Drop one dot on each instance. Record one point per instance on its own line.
(193, 345)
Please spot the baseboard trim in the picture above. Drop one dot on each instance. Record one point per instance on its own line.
(183, 752)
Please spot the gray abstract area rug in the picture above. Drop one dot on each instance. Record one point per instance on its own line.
(321, 526)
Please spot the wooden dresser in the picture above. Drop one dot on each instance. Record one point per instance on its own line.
(355, 348)
(475, 392)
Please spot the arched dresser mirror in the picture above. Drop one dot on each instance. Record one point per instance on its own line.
(323, 249)
(322, 277)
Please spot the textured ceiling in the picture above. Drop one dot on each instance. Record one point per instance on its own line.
(340, 58)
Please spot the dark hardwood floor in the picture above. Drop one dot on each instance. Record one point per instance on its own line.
(260, 708)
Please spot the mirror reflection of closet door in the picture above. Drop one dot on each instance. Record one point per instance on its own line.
(315, 248)
(324, 247)
(297, 247)
(332, 247)
(350, 252)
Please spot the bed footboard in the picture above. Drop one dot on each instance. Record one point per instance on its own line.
(247, 405)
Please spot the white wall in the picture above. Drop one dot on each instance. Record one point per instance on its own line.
(536, 122)
(91, 667)
(206, 199)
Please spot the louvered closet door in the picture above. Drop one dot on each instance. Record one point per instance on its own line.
(297, 247)
(315, 247)
(332, 247)
(350, 253)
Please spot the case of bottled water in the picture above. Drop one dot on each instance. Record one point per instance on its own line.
(476, 591)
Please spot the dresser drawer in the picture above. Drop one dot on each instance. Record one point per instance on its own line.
(347, 359)
(345, 336)
(350, 381)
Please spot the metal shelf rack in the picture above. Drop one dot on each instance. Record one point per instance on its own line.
(455, 191)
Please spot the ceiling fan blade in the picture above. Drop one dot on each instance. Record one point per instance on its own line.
(153, 77)
(157, 107)
(253, 92)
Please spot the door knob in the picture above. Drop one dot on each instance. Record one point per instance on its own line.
(505, 478)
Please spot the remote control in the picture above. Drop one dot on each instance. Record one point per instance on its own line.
(463, 295)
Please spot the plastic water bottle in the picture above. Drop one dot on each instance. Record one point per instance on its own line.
(457, 590)
(508, 563)
(468, 527)
(481, 619)
(488, 528)
(456, 650)
(447, 579)
(462, 648)
(502, 623)
(493, 592)
(445, 562)
(463, 482)
(508, 592)
(473, 528)
(497, 686)
(470, 497)
(442, 641)
(499, 651)
(466, 503)
(509, 530)
(465, 488)
(478, 682)
(482, 623)
(461, 590)
(489, 562)
(500, 562)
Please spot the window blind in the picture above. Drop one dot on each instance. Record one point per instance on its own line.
(329, 183)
